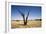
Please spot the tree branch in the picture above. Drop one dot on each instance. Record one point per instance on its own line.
(20, 12)
(27, 16)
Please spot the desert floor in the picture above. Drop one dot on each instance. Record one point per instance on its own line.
(30, 24)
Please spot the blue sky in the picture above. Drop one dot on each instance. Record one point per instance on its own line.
(35, 12)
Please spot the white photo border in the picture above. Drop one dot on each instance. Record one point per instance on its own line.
(8, 18)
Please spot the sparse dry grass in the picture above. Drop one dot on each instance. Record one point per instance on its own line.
(30, 24)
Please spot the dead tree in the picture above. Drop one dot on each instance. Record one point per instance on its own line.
(26, 19)
(22, 14)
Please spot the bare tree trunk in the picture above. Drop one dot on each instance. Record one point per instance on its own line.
(26, 19)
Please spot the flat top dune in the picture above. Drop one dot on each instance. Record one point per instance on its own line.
(30, 24)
